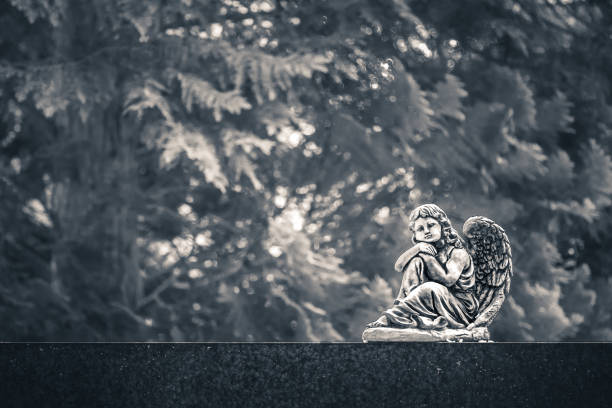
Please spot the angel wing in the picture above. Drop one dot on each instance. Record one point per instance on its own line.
(490, 249)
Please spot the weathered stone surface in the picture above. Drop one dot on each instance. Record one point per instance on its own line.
(410, 334)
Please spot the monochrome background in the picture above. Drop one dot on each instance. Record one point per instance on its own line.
(242, 171)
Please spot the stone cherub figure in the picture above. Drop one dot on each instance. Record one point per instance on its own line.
(451, 289)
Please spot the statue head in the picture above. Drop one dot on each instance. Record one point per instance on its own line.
(423, 217)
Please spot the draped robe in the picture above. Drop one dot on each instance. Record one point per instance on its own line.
(427, 304)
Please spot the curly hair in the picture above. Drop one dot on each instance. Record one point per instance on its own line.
(449, 235)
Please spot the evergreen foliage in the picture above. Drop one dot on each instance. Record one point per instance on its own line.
(232, 170)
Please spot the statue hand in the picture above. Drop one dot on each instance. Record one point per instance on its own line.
(426, 248)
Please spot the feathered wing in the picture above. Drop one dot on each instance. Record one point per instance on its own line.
(490, 249)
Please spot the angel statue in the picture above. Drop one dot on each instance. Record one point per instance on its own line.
(451, 289)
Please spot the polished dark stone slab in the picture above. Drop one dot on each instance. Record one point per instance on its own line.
(305, 375)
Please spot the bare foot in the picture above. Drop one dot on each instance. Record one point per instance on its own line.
(381, 322)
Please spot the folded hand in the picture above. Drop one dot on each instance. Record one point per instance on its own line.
(426, 248)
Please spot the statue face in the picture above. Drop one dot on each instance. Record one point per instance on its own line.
(427, 230)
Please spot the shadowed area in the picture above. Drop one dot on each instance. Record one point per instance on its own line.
(303, 375)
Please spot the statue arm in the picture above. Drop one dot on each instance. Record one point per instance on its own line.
(449, 273)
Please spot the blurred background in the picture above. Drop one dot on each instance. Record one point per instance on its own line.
(242, 171)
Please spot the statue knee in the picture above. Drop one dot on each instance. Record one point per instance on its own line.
(414, 275)
(432, 287)
(416, 263)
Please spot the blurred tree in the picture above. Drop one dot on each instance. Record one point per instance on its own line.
(234, 170)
